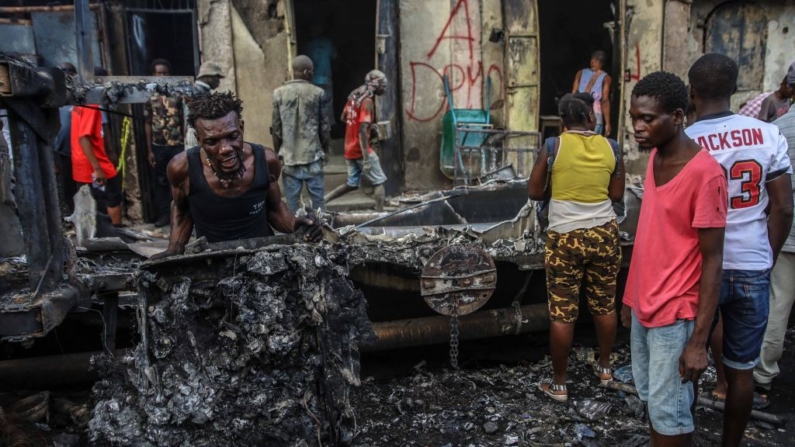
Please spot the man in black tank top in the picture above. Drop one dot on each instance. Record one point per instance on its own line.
(226, 187)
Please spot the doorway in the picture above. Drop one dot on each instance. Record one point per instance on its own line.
(571, 31)
(169, 34)
(349, 26)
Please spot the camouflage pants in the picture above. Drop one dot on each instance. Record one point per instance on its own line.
(593, 253)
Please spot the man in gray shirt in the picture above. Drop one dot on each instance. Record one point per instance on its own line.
(300, 130)
(782, 283)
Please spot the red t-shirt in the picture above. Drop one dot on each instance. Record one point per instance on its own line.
(87, 122)
(354, 117)
(665, 272)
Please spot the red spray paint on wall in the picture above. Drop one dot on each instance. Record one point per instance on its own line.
(466, 77)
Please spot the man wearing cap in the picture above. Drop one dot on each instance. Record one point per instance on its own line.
(208, 79)
(300, 130)
(360, 134)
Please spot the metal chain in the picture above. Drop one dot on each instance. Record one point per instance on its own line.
(454, 333)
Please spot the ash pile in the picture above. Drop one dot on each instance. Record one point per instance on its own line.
(239, 347)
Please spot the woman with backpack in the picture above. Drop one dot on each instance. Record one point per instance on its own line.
(582, 174)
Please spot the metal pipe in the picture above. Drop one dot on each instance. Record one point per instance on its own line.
(29, 9)
(403, 210)
(436, 330)
(49, 372)
(345, 219)
(706, 403)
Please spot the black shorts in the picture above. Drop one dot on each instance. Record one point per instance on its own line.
(111, 197)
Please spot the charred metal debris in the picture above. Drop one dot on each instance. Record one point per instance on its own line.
(242, 347)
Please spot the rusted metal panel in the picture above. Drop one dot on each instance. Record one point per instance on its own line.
(458, 280)
(739, 30)
(522, 70)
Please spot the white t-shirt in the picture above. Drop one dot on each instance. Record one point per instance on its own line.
(752, 153)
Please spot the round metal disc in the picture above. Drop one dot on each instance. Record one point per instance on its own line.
(461, 274)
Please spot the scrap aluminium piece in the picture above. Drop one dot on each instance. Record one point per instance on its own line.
(239, 347)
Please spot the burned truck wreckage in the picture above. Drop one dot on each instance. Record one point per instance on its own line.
(251, 342)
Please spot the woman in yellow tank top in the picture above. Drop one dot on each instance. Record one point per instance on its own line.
(586, 177)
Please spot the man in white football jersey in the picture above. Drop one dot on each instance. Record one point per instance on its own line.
(754, 157)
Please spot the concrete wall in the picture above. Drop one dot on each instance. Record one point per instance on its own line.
(643, 55)
(779, 43)
(444, 37)
(247, 37)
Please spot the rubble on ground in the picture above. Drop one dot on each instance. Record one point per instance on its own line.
(501, 406)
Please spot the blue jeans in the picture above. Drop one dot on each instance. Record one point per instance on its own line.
(356, 170)
(744, 305)
(655, 368)
(294, 179)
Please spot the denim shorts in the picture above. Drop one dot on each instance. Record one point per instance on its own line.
(356, 169)
(655, 368)
(744, 305)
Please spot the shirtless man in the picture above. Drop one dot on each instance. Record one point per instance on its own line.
(226, 187)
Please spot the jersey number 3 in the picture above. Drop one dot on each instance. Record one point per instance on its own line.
(750, 172)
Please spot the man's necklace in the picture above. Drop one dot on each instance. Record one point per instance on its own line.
(226, 180)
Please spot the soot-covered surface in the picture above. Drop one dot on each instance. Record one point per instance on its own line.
(494, 401)
(265, 356)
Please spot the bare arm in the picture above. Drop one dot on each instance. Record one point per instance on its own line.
(364, 129)
(779, 222)
(606, 103)
(276, 125)
(538, 176)
(576, 85)
(616, 189)
(181, 219)
(88, 150)
(693, 360)
(764, 109)
(279, 216)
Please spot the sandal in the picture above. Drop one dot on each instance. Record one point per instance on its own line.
(554, 391)
(605, 375)
(718, 396)
(761, 400)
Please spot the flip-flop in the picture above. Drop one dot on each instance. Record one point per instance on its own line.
(605, 375)
(761, 401)
(718, 396)
(553, 391)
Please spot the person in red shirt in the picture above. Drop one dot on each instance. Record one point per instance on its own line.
(90, 163)
(674, 278)
(359, 116)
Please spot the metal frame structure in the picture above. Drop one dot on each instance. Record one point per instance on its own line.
(494, 153)
(33, 95)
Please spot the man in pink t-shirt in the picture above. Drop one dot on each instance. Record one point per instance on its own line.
(674, 278)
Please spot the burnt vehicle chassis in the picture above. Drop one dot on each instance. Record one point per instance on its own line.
(447, 252)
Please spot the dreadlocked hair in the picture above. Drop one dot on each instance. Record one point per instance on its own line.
(574, 108)
(666, 88)
(213, 106)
